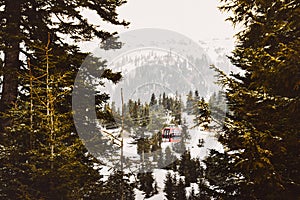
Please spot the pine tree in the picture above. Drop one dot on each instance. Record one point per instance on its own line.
(46, 159)
(262, 128)
(170, 159)
(155, 118)
(164, 100)
(190, 168)
(221, 175)
(184, 167)
(143, 148)
(108, 117)
(146, 182)
(196, 169)
(177, 110)
(202, 114)
(117, 186)
(204, 191)
(41, 152)
(149, 187)
(156, 146)
(26, 24)
(196, 96)
(153, 100)
(180, 190)
(169, 187)
(180, 147)
(145, 119)
(189, 103)
(218, 108)
(161, 159)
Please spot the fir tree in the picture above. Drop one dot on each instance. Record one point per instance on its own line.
(41, 152)
(204, 191)
(180, 147)
(143, 148)
(170, 159)
(26, 24)
(44, 157)
(180, 190)
(189, 103)
(117, 186)
(202, 114)
(196, 96)
(184, 167)
(190, 168)
(169, 187)
(177, 111)
(261, 132)
(153, 100)
(156, 146)
(221, 175)
(146, 181)
(161, 160)
(218, 108)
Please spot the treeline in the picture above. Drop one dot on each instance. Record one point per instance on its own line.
(152, 115)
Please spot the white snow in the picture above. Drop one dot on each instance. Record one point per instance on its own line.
(196, 133)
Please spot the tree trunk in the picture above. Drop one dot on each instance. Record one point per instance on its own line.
(11, 58)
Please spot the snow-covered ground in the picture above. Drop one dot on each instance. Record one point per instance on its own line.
(196, 133)
(210, 142)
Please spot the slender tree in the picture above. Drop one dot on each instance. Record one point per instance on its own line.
(180, 190)
(202, 114)
(170, 187)
(189, 102)
(43, 159)
(153, 100)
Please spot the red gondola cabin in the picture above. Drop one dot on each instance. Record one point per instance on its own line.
(171, 134)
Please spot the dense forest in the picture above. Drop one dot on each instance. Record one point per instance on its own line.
(255, 118)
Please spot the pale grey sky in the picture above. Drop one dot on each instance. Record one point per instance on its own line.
(197, 19)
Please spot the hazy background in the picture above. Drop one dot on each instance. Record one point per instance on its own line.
(199, 20)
